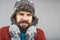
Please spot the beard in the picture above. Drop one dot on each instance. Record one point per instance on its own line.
(22, 29)
(23, 21)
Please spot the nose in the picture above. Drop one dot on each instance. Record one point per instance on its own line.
(25, 17)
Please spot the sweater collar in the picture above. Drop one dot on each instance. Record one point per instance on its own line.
(14, 32)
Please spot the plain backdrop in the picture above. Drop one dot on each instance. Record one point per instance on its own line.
(48, 12)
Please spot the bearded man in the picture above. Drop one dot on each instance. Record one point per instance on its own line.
(24, 23)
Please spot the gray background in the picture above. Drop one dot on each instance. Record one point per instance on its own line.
(48, 12)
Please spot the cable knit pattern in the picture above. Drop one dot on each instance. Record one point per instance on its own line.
(14, 32)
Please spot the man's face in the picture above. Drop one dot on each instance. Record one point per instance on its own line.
(23, 19)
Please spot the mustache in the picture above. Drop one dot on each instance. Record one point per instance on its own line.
(23, 21)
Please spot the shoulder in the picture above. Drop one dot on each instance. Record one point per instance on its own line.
(40, 34)
(4, 33)
(39, 30)
(4, 28)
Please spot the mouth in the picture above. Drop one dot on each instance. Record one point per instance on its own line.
(23, 23)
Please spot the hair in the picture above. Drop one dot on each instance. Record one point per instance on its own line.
(24, 6)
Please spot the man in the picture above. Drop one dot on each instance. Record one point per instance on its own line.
(23, 24)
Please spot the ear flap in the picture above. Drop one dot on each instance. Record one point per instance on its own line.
(13, 18)
(35, 20)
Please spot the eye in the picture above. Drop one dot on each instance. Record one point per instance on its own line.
(29, 14)
(20, 14)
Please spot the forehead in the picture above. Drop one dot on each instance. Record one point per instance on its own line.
(23, 12)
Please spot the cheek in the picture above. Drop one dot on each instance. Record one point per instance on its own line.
(30, 19)
(18, 18)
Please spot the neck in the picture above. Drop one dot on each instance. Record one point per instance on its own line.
(23, 29)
